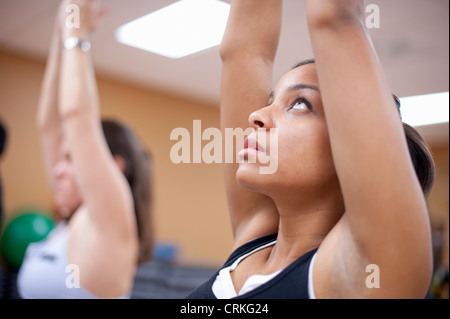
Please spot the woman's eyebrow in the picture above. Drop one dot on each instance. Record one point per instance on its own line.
(296, 87)
(301, 86)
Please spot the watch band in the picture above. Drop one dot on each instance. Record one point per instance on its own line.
(74, 42)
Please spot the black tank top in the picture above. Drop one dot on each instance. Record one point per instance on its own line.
(290, 283)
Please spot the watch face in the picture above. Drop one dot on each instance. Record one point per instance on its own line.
(70, 43)
(85, 46)
(73, 42)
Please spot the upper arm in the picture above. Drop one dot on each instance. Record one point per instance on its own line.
(245, 88)
(47, 120)
(247, 51)
(386, 221)
(344, 270)
(102, 186)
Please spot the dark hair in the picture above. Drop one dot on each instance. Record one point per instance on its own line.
(122, 141)
(420, 154)
(3, 137)
(421, 158)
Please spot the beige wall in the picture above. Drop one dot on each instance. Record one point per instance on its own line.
(438, 200)
(190, 205)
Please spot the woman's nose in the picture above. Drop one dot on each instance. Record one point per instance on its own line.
(58, 169)
(261, 119)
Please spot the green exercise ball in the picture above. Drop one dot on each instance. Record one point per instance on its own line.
(24, 227)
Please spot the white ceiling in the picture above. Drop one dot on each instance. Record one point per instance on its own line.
(412, 43)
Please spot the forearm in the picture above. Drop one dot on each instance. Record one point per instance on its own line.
(78, 88)
(47, 115)
(47, 120)
(248, 50)
(253, 29)
(354, 89)
(370, 153)
(355, 93)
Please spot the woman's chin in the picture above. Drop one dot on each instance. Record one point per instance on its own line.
(248, 177)
(65, 210)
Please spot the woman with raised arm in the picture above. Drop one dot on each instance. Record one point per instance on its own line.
(100, 178)
(349, 193)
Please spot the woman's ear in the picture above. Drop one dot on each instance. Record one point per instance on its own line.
(120, 162)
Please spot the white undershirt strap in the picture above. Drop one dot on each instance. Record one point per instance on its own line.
(311, 293)
(223, 287)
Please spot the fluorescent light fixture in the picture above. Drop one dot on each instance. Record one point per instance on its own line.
(178, 30)
(425, 109)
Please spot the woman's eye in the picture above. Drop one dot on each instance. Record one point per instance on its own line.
(300, 105)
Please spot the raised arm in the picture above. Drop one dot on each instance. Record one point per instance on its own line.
(386, 222)
(48, 121)
(248, 51)
(103, 188)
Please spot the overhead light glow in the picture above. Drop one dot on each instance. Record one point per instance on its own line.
(425, 109)
(178, 30)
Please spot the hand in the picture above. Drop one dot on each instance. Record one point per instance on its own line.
(79, 18)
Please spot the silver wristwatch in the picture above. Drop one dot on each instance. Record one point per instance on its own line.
(74, 42)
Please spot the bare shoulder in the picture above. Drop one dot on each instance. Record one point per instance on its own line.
(338, 267)
(344, 269)
(106, 265)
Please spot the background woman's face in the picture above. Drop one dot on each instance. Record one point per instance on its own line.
(65, 188)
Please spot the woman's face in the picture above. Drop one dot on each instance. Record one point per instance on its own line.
(304, 155)
(65, 190)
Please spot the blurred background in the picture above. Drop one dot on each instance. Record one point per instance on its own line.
(156, 94)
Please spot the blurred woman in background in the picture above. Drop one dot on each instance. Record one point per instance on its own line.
(100, 177)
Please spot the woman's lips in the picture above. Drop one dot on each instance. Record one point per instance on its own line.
(251, 145)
